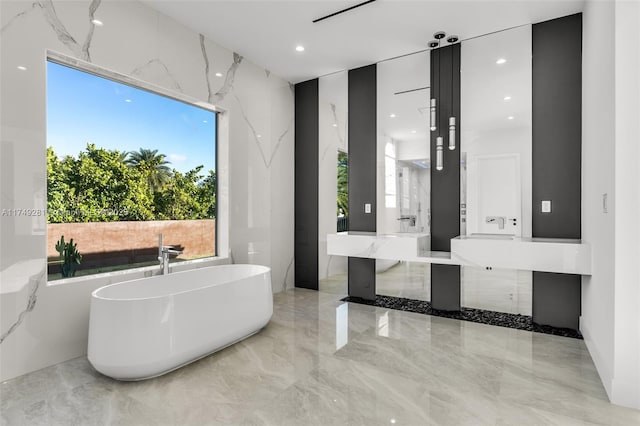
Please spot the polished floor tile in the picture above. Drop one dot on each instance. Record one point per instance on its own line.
(324, 362)
(501, 290)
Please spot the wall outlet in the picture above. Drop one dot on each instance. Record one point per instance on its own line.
(367, 208)
(546, 206)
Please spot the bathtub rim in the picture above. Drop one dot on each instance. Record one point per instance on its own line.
(94, 293)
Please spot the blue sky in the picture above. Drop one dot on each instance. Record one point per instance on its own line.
(84, 108)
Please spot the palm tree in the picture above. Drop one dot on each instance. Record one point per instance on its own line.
(122, 156)
(153, 165)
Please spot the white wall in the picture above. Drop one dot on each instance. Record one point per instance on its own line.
(610, 303)
(598, 143)
(43, 324)
(333, 99)
(626, 378)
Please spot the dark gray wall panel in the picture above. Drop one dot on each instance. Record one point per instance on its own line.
(557, 126)
(445, 287)
(445, 184)
(557, 147)
(306, 184)
(362, 148)
(362, 173)
(362, 278)
(556, 299)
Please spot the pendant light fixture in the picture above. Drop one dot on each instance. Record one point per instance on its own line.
(434, 44)
(433, 107)
(439, 141)
(452, 133)
(433, 114)
(439, 154)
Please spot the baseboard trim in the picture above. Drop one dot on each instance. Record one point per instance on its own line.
(606, 376)
(626, 393)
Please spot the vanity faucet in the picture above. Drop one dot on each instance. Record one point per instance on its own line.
(500, 220)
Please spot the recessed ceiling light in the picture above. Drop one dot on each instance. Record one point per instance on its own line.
(501, 61)
(392, 115)
(299, 48)
(128, 101)
(22, 68)
(334, 125)
(218, 74)
(259, 136)
(393, 421)
(97, 22)
(507, 98)
(510, 117)
(414, 132)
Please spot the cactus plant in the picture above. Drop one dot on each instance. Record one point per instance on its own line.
(70, 257)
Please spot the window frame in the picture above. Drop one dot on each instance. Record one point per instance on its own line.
(222, 247)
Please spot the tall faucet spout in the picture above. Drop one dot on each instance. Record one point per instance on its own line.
(166, 251)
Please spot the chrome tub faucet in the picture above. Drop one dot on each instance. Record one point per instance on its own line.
(163, 255)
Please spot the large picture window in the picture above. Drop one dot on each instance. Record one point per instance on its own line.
(123, 166)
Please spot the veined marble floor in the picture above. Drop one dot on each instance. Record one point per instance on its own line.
(325, 362)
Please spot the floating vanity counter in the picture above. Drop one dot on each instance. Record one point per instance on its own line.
(566, 256)
(401, 246)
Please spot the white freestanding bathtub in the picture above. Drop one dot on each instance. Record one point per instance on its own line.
(147, 327)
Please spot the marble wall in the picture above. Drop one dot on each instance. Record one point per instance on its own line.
(42, 324)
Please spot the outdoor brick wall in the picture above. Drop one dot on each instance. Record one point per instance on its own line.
(113, 243)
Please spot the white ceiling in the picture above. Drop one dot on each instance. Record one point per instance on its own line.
(267, 32)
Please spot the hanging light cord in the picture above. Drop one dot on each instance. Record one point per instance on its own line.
(439, 142)
(452, 117)
(452, 104)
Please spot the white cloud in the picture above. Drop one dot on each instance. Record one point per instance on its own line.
(177, 158)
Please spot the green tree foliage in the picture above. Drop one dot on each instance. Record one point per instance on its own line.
(207, 193)
(58, 189)
(183, 197)
(152, 165)
(343, 184)
(104, 185)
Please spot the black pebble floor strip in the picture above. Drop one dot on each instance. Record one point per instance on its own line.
(500, 319)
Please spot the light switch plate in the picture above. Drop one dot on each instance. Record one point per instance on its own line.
(367, 208)
(546, 206)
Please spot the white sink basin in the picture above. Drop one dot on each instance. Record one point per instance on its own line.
(400, 246)
(509, 252)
